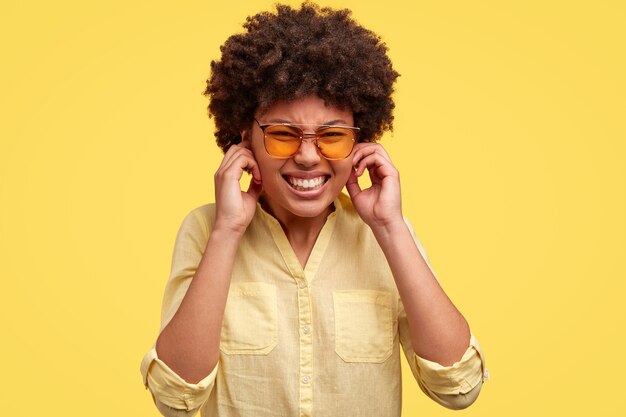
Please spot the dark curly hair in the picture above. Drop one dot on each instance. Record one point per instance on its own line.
(294, 53)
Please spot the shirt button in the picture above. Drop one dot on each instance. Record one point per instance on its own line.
(306, 379)
(302, 284)
(306, 329)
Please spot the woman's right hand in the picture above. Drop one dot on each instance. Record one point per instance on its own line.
(234, 207)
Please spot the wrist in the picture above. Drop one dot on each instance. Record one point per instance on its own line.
(232, 224)
(388, 230)
(227, 232)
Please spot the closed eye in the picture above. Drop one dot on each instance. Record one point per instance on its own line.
(332, 134)
(282, 132)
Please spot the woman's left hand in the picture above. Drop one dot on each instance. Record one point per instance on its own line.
(380, 205)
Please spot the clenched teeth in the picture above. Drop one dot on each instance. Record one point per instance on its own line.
(306, 184)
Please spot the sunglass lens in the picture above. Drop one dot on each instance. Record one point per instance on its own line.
(336, 142)
(282, 141)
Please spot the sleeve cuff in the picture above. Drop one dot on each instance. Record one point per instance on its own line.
(170, 389)
(458, 378)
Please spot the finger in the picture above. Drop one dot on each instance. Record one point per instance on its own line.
(376, 165)
(251, 167)
(352, 185)
(367, 149)
(375, 148)
(237, 164)
(256, 173)
(254, 189)
(370, 162)
(233, 152)
(234, 149)
(242, 159)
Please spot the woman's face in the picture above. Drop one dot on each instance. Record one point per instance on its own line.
(280, 176)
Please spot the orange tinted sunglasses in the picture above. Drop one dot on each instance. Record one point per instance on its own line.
(282, 140)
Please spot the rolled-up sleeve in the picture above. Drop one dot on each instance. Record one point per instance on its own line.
(456, 386)
(173, 396)
(169, 389)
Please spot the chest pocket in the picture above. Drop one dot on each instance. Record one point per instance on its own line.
(250, 319)
(363, 325)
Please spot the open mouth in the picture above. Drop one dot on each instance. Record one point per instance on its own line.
(308, 184)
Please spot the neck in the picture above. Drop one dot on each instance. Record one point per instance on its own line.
(301, 232)
(293, 224)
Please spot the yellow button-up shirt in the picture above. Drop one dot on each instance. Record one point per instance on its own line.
(320, 341)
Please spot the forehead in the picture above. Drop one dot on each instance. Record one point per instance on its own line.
(310, 110)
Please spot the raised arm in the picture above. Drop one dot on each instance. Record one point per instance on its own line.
(444, 357)
(189, 344)
(438, 330)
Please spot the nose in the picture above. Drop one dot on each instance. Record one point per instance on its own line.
(308, 154)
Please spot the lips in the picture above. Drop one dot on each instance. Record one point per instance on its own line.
(306, 184)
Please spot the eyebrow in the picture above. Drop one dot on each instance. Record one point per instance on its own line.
(329, 123)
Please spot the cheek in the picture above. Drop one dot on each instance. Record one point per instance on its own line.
(267, 165)
(270, 170)
(342, 170)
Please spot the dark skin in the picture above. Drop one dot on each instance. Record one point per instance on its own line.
(189, 344)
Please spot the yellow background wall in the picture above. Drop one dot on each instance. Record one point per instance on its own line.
(509, 138)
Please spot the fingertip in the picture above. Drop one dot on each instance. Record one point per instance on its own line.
(255, 188)
(353, 185)
(353, 178)
(256, 174)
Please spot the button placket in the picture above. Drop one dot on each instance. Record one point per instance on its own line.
(306, 346)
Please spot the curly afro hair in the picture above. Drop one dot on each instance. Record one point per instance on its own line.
(298, 52)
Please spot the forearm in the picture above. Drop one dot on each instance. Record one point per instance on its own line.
(189, 344)
(438, 331)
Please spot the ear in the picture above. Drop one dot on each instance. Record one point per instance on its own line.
(245, 139)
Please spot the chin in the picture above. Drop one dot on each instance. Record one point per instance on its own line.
(309, 210)
(306, 208)
(282, 202)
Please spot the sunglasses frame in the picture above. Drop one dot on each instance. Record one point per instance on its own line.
(303, 136)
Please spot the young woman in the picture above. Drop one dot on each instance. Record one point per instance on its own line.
(292, 298)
